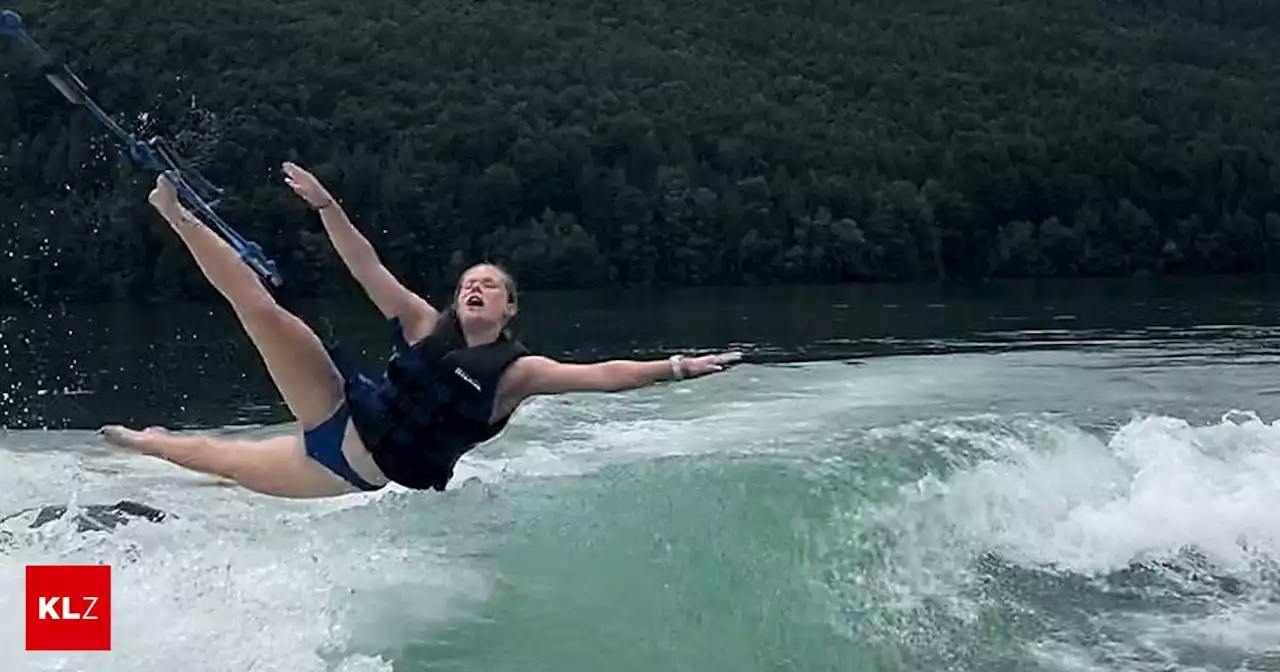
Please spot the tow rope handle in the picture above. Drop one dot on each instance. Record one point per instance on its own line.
(194, 191)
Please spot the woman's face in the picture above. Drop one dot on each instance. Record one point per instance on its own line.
(484, 296)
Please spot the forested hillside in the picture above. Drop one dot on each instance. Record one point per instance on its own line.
(594, 142)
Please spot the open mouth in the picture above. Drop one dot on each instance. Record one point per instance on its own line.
(475, 300)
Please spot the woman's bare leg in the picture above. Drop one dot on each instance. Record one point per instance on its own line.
(277, 466)
(294, 357)
(293, 354)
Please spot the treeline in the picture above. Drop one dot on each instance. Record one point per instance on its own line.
(596, 142)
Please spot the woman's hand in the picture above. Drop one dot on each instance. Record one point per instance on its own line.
(706, 364)
(306, 186)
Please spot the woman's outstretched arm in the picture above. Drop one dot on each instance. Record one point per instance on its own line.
(543, 375)
(392, 298)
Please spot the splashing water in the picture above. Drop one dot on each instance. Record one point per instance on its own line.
(1155, 547)
(909, 513)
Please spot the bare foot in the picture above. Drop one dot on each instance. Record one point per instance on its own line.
(124, 437)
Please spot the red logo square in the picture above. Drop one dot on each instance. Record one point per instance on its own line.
(68, 607)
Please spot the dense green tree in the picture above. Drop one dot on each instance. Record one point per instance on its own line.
(586, 142)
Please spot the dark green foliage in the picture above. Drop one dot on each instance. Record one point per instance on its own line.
(593, 142)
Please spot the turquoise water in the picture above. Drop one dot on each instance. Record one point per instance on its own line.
(1034, 499)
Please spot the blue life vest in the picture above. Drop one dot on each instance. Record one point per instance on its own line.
(433, 404)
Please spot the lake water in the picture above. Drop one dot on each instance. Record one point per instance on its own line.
(1012, 476)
